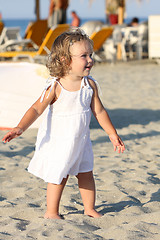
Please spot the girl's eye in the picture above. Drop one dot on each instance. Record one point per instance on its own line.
(85, 55)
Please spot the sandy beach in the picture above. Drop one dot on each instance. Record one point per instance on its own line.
(128, 184)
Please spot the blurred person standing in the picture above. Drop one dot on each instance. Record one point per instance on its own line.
(57, 12)
(75, 19)
(1, 23)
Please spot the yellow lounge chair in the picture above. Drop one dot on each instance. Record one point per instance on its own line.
(100, 37)
(36, 31)
(45, 47)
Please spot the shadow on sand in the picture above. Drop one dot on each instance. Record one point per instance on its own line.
(122, 118)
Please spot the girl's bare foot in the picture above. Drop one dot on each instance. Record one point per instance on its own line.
(51, 216)
(93, 213)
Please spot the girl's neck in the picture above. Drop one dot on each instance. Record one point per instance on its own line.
(71, 83)
(70, 78)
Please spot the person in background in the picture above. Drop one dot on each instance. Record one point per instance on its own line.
(1, 23)
(57, 12)
(0, 16)
(75, 19)
(134, 22)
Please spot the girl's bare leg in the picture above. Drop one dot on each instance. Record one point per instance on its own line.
(87, 189)
(54, 193)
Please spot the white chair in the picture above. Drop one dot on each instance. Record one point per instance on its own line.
(135, 40)
(10, 39)
(129, 39)
(111, 45)
(142, 43)
(10, 33)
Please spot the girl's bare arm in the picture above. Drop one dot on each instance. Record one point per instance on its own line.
(30, 116)
(104, 120)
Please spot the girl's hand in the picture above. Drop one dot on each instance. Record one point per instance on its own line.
(15, 132)
(117, 143)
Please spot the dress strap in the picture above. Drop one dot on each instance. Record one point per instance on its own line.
(95, 81)
(49, 83)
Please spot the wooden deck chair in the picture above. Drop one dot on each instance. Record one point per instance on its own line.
(36, 31)
(45, 47)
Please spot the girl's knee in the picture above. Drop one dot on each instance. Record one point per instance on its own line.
(85, 175)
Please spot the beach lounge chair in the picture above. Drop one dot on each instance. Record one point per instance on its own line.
(10, 33)
(99, 39)
(90, 27)
(44, 49)
(36, 31)
(10, 39)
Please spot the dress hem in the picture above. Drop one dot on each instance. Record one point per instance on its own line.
(58, 182)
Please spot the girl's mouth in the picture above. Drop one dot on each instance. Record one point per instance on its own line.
(88, 67)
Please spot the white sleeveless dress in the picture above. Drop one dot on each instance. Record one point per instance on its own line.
(63, 144)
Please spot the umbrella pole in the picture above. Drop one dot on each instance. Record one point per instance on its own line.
(120, 21)
(37, 10)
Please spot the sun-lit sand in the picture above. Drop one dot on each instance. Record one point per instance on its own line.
(128, 184)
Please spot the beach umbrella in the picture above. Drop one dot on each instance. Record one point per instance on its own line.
(118, 6)
(121, 4)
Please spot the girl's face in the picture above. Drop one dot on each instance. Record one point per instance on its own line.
(82, 61)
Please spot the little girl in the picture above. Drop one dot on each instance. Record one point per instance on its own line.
(63, 144)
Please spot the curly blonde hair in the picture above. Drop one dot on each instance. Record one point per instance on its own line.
(60, 57)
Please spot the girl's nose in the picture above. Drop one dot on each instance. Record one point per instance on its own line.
(90, 59)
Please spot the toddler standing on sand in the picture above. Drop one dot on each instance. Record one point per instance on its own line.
(63, 144)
